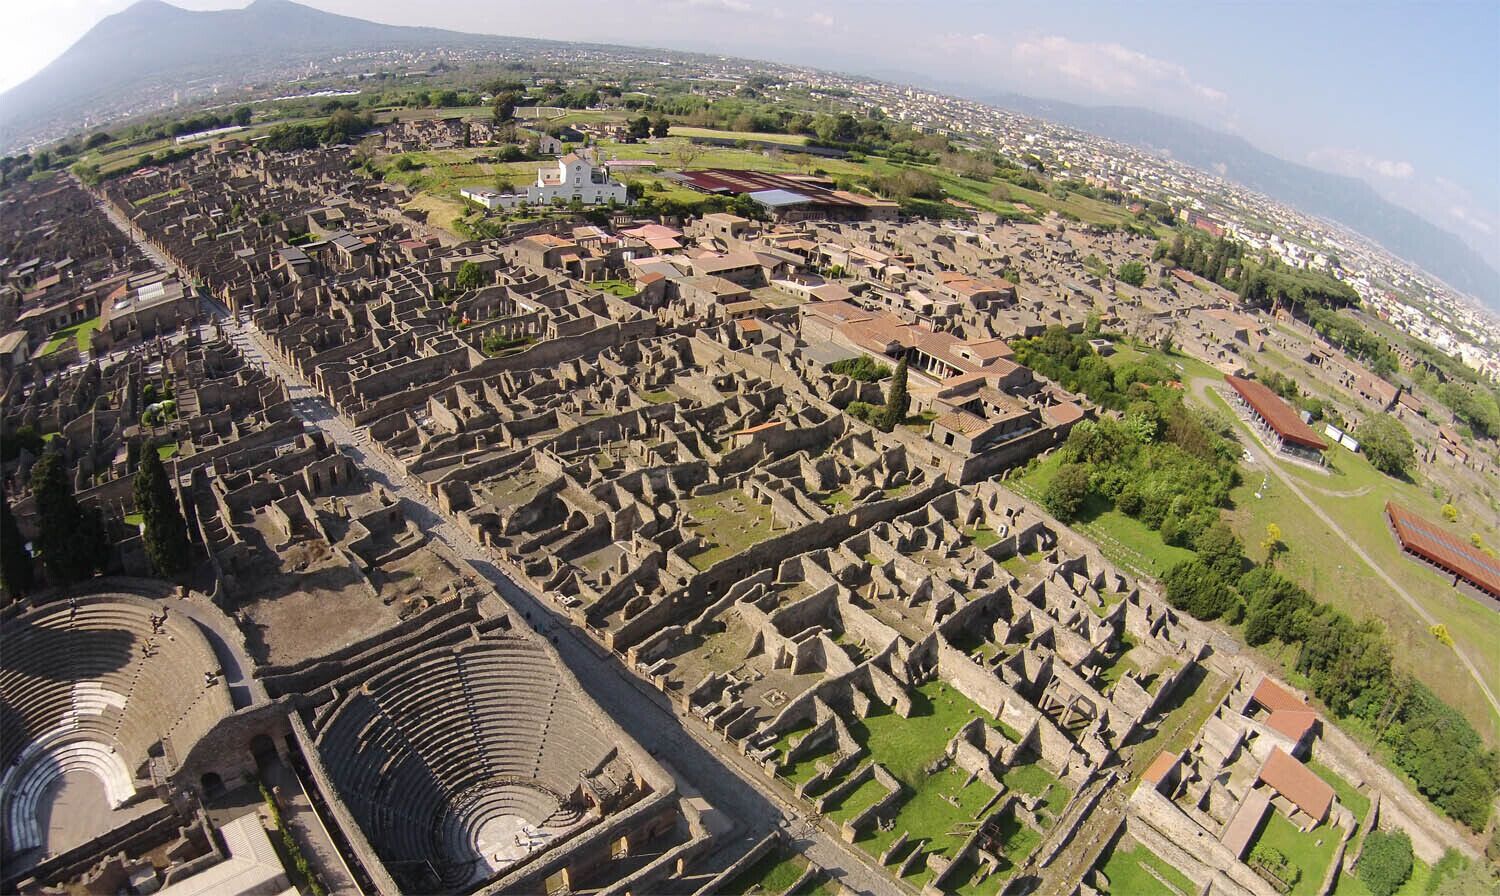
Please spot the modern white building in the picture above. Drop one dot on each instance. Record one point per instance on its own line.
(490, 199)
(575, 177)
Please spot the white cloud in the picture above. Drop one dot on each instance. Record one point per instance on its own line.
(726, 5)
(1360, 164)
(821, 19)
(1469, 219)
(1108, 69)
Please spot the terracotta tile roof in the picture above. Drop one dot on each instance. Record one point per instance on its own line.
(1433, 543)
(1277, 413)
(1297, 783)
(1159, 767)
(962, 422)
(1274, 696)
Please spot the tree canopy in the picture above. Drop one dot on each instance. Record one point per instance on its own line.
(156, 501)
(70, 538)
(1387, 444)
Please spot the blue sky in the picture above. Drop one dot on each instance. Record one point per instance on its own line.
(1404, 95)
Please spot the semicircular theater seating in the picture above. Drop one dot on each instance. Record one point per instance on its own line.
(94, 686)
(434, 748)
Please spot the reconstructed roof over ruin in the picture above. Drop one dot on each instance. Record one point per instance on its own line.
(1277, 413)
(1433, 543)
(1297, 783)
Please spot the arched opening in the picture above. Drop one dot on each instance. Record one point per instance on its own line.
(263, 748)
(212, 784)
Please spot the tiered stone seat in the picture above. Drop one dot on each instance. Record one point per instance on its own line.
(80, 693)
(432, 747)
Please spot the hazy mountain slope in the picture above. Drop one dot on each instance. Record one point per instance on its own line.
(153, 47)
(1348, 200)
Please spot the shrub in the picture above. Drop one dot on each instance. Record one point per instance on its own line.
(864, 368)
(1386, 862)
(1067, 491)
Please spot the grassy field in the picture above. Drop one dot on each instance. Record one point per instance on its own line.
(620, 288)
(775, 872)
(80, 333)
(786, 139)
(1354, 494)
(938, 809)
(1125, 540)
(1310, 852)
(1130, 873)
(444, 172)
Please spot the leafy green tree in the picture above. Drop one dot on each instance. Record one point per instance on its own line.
(640, 128)
(1221, 550)
(1132, 272)
(1194, 587)
(1065, 494)
(1387, 444)
(70, 539)
(897, 402)
(864, 368)
(166, 533)
(1385, 862)
(504, 108)
(15, 563)
(661, 127)
(470, 276)
(1272, 605)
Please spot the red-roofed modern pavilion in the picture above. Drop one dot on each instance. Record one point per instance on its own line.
(1279, 422)
(1430, 541)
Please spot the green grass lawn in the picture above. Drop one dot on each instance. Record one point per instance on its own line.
(726, 532)
(1124, 539)
(856, 801)
(982, 536)
(927, 815)
(166, 451)
(80, 333)
(1129, 873)
(1310, 852)
(134, 519)
(1353, 800)
(775, 872)
(906, 747)
(658, 396)
(788, 139)
(614, 287)
(1416, 885)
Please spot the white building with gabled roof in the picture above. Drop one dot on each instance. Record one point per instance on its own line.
(575, 177)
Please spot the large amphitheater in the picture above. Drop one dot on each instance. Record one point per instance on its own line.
(481, 762)
(99, 697)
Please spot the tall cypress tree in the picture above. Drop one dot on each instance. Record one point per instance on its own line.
(897, 402)
(156, 501)
(71, 542)
(15, 563)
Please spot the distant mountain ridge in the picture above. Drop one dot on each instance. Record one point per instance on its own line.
(1348, 200)
(158, 48)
